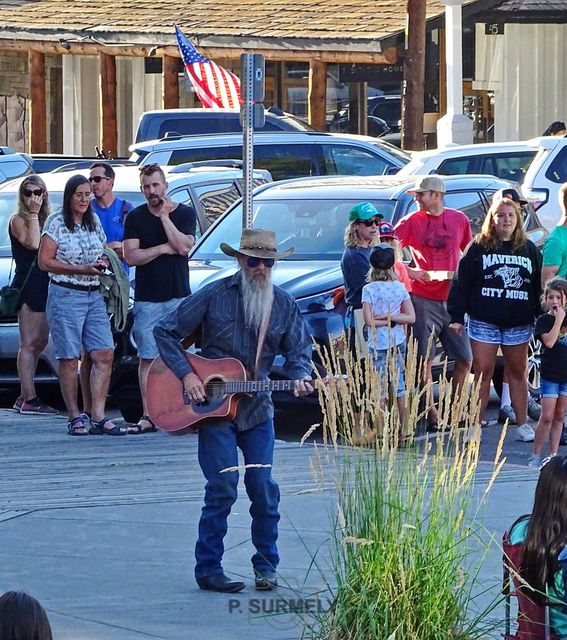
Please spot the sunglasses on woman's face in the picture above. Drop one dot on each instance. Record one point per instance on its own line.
(253, 262)
(372, 221)
(32, 192)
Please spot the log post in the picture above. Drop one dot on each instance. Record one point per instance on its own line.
(170, 82)
(414, 77)
(317, 95)
(38, 117)
(109, 129)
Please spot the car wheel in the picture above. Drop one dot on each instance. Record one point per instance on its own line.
(534, 358)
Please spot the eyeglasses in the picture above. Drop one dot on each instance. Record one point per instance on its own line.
(373, 221)
(97, 179)
(35, 192)
(253, 262)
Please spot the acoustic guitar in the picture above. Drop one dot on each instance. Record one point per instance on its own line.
(225, 380)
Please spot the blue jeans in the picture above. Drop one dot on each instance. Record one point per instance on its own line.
(218, 450)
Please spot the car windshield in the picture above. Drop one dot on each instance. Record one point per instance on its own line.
(8, 206)
(401, 155)
(314, 227)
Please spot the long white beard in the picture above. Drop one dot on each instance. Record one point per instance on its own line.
(257, 298)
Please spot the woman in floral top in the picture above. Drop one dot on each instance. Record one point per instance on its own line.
(71, 249)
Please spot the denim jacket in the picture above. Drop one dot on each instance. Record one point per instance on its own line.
(217, 307)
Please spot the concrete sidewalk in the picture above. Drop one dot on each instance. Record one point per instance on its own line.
(102, 530)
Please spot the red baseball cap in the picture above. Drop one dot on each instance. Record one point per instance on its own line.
(387, 230)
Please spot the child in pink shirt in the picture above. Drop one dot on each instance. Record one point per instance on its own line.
(388, 235)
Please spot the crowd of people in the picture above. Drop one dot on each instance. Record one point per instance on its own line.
(476, 296)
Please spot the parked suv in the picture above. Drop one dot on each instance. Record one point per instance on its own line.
(507, 160)
(154, 125)
(544, 177)
(210, 190)
(284, 155)
(384, 114)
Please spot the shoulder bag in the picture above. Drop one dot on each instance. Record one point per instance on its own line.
(10, 296)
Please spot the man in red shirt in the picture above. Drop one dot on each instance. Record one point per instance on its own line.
(436, 237)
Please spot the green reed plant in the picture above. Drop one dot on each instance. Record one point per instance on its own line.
(404, 524)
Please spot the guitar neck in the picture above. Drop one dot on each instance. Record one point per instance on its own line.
(257, 386)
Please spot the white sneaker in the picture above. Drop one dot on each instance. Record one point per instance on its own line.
(535, 462)
(525, 433)
(547, 459)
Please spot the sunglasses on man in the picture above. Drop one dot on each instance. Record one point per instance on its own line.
(253, 262)
(32, 192)
(97, 179)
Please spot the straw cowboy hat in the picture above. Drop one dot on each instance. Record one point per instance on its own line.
(257, 243)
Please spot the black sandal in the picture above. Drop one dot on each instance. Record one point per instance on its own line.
(137, 429)
(97, 428)
(76, 427)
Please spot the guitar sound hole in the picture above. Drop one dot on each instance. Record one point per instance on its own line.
(215, 389)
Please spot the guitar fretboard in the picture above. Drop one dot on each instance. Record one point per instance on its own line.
(255, 386)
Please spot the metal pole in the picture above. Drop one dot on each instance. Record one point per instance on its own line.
(247, 86)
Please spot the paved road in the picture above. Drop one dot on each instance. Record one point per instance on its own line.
(102, 531)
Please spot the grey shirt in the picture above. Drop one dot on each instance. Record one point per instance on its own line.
(218, 308)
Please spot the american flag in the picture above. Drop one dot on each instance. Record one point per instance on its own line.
(216, 87)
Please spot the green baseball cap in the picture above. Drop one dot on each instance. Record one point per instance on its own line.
(363, 211)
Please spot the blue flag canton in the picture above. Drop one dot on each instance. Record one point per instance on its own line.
(188, 51)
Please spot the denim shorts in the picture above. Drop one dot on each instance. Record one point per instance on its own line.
(493, 334)
(77, 320)
(550, 389)
(380, 362)
(146, 316)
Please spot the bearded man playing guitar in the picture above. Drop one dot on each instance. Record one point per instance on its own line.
(243, 316)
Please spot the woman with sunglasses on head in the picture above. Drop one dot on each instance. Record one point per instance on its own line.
(71, 247)
(24, 229)
(498, 285)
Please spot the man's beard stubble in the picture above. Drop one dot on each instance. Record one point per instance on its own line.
(257, 297)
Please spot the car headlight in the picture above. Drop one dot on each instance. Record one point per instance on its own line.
(325, 301)
(323, 314)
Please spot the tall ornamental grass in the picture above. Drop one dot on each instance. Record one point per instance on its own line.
(404, 525)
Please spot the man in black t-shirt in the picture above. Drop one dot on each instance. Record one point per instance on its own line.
(157, 238)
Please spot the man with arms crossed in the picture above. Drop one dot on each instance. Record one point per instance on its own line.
(436, 237)
(242, 316)
(157, 238)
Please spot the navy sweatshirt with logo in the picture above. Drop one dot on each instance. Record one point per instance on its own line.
(497, 286)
